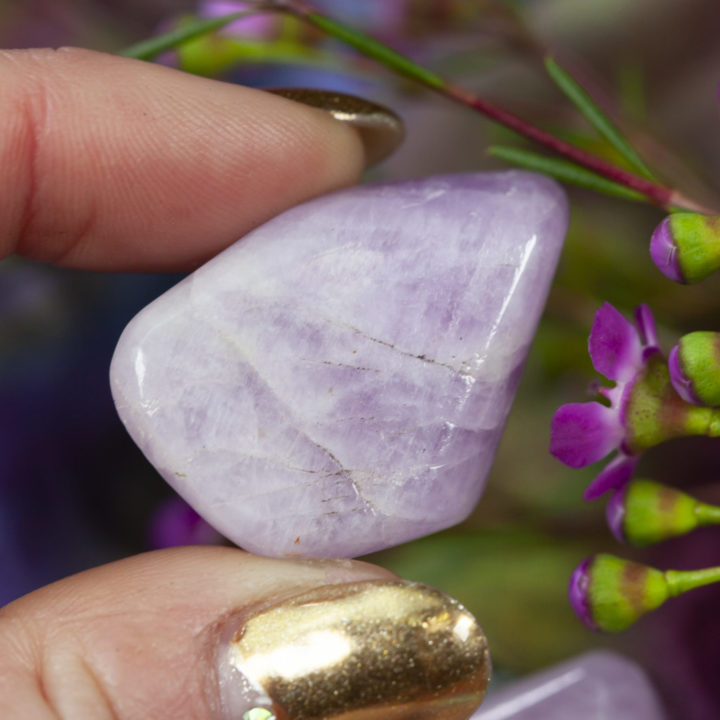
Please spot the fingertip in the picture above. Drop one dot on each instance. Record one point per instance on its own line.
(121, 164)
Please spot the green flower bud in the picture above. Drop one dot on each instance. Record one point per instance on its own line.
(686, 246)
(653, 412)
(645, 512)
(619, 592)
(609, 593)
(695, 368)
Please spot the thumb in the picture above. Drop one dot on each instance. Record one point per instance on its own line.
(214, 632)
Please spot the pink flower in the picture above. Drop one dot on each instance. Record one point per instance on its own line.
(254, 26)
(583, 433)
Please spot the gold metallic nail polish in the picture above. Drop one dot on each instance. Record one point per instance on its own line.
(380, 129)
(374, 650)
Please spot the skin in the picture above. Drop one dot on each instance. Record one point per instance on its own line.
(114, 164)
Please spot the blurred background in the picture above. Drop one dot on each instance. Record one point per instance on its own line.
(76, 492)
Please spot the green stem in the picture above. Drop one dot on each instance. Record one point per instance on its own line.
(374, 49)
(695, 420)
(566, 171)
(658, 194)
(149, 49)
(707, 514)
(680, 581)
(714, 424)
(594, 115)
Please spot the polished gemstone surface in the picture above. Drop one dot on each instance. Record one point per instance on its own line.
(596, 686)
(337, 381)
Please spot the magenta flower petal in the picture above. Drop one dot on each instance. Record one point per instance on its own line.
(578, 594)
(583, 433)
(663, 251)
(615, 513)
(614, 344)
(646, 327)
(614, 476)
(682, 383)
(253, 26)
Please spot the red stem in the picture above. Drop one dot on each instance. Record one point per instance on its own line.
(659, 195)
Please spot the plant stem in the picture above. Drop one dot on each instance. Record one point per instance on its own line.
(681, 581)
(658, 194)
(707, 514)
(148, 49)
(565, 171)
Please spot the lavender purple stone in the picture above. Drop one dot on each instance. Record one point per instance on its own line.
(595, 686)
(337, 381)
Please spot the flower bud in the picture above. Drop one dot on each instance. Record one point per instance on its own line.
(695, 368)
(686, 246)
(609, 593)
(645, 512)
(653, 412)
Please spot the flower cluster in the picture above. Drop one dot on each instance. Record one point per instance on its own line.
(652, 400)
(643, 409)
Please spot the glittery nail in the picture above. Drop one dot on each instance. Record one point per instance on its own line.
(389, 650)
(380, 129)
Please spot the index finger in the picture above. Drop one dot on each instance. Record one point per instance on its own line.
(114, 164)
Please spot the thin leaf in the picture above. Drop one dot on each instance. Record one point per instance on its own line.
(565, 171)
(595, 116)
(376, 50)
(148, 49)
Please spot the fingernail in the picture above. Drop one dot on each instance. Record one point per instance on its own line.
(380, 129)
(366, 650)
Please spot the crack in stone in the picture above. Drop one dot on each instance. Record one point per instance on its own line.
(343, 365)
(406, 353)
(274, 491)
(307, 313)
(342, 471)
(272, 461)
(347, 475)
(315, 315)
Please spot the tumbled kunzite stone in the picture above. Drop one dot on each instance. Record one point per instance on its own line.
(336, 382)
(595, 686)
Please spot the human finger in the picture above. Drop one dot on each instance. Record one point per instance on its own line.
(110, 163)
(209, 632)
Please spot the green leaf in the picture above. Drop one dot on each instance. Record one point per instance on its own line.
(376, 50)
(595, 116)
(148, 49)
(566, 171)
